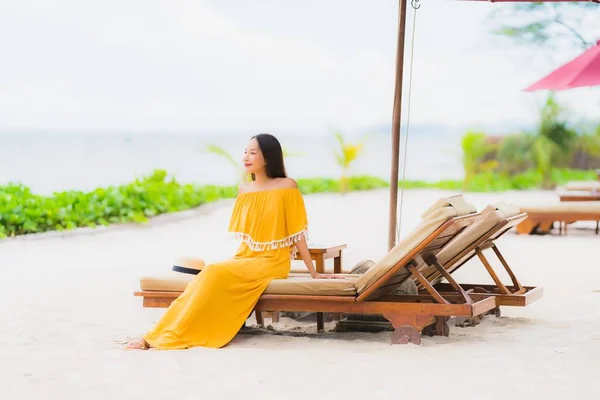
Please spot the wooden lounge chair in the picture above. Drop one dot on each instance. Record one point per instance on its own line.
(588, 186)
(371, 293)
(541, 218)
(579, 195)
(495, 221)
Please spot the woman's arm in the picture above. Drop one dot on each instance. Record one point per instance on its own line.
(303, 250)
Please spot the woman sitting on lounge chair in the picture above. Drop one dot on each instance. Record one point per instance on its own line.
(270, 220)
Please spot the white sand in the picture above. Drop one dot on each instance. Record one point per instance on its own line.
(67, 307)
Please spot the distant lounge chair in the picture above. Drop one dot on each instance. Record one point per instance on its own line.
(579, 195)
(371, 292)
(541, 218)
(587, 186)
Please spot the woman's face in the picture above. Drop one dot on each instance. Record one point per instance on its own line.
(253, 158)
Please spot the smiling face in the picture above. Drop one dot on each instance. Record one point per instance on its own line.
(253, 158)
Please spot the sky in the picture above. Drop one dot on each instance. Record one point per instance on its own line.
(263, 65)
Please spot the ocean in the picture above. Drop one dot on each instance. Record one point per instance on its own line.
(48, 162)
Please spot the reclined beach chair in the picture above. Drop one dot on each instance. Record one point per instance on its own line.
(587, 186)
(541, 218)
(371, 293)
(579, 195)
(495, 221)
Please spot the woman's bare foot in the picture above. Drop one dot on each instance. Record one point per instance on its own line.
(139, 344)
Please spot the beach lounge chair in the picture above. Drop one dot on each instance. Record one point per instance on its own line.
(481, 236)
(579, 195)
(371, 293)
(541, 218)
(588, 186)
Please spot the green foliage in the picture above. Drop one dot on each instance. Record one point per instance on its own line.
(476, 147)
(590, 142)
(327, 185)
(530, 179)
(553, 127)
(241, 176)
(22, 211)
(553, 144)
(541, 24)
(514, 154)
(219, 151)
(346, 154)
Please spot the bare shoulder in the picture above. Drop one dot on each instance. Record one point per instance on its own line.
(244, 187)
(286, 183)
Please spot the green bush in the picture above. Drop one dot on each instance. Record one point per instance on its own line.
(22, 211)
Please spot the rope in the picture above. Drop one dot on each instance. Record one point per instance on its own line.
(412, 52)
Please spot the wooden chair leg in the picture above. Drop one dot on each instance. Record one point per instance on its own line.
(337, 264)
(259, 318)
(275, 316)
(508, 270)
(320, 323)
(337, 269)
(320, 264)
(408, 327)
(503, 289)
(597, 226)
(320, 267)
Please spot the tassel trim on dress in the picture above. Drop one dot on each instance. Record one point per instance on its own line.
(274, 244)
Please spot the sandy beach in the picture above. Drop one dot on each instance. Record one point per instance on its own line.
(68, 308)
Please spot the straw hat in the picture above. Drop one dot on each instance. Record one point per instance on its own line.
(189, 265)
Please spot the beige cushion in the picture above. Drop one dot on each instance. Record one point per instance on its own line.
(300, 268)
(583, 185)
(299, 285)
(572, 207)
(442, 211)
(296, 268)
(583, 194)
(458, 202)
(490, 217)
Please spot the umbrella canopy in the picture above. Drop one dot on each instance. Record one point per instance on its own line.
(582, 71)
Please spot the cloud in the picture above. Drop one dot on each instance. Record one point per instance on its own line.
(213, 66)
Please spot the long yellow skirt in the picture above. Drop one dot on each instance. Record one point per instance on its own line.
(217, 302)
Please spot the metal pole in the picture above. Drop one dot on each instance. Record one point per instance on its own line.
(396, 120)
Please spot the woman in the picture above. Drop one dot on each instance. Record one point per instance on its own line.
(270, 220)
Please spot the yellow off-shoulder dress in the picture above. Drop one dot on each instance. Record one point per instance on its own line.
(217, 302)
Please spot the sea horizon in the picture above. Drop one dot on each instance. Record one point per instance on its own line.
(48, 162)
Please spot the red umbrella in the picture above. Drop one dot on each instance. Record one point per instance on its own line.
(579, 72)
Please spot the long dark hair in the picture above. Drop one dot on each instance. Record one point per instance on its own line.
(273, 155)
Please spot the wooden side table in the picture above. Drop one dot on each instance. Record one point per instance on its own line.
(318, 254)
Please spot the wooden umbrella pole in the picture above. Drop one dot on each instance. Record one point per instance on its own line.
(396, 120)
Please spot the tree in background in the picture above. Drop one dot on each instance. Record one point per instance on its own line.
(547, 146)
(346, 154)
(218, 150)
(476, 147)
(543, 23)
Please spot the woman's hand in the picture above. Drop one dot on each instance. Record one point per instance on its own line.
(326, 276)
(304, 253)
